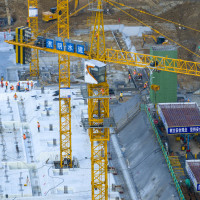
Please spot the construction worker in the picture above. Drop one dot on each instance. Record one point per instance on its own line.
(102, 91)
(28, 83)
(26, 89)
(12, 88)
(134, 72)
(24, 136)
(27, 21)
(15, 96)
(6, 85)
(1, 83)
(97, 35)
(121, 96)
(140, 76)
(145, 85)
(31, 85)
(18, 86)
(129, 78)
(38, 126)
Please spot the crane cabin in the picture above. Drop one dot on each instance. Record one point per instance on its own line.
(95, 72)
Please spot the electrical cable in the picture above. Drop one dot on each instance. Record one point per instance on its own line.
(156, 31)
(141, 11)
(56, 185)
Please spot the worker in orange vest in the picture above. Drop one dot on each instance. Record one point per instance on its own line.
(27, 21)
(6, 85)
(38, 126)
(15, 96)
(145, 85)
(129, 78)
(18, 86)
(28, 84)
(134, 72)
(31, 85)
(102, 91)
(12, 87)
(24, 136)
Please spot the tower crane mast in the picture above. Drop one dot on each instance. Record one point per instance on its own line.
(33, 24)
(64, 86)
(98, 111)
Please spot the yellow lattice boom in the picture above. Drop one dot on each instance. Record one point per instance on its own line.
(33, 24)
(133, 59)
(64, 84)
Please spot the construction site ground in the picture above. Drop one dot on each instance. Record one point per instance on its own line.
(130, 36)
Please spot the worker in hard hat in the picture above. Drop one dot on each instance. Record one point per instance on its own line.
(18, 86)
(26, 89)
(134, 72)
(15, 96)
(27, 21)
(31, 85)
(129, 78)
(24, 136)
(38, 126)
(1, 83)
(27, 83)
(6, 85)
(121, 96)
(11, 87)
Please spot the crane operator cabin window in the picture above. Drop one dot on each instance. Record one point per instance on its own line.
(98, 73)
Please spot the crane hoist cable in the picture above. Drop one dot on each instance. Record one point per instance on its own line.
(156, 31)
(55, 24)
(141, 11)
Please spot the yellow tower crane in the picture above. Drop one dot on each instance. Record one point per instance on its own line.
(33, 24)
(64, 86)
(98, 92)
(98, 110)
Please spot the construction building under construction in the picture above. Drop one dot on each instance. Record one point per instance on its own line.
(87, 112)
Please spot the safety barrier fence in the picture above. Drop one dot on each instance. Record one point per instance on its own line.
(144, 107)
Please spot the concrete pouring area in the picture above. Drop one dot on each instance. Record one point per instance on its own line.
(27, 164)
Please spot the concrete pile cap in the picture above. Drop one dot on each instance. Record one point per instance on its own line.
(179, 115)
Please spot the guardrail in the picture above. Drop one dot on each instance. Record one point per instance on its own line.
(164, 153)
(129, 116)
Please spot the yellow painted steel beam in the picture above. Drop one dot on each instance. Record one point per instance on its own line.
(133, 59)
(97, 48)
(64, 84)
(33, 24)
(98, 109)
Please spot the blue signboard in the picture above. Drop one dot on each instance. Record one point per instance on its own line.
(59, 46)
(80, 49)
(198, 187)
(70, 47)
(49, 44)
(191, 129)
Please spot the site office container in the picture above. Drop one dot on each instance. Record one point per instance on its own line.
(194, 172)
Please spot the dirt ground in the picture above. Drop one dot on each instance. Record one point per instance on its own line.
(187, 14)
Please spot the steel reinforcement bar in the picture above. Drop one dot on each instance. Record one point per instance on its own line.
(164, 153)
